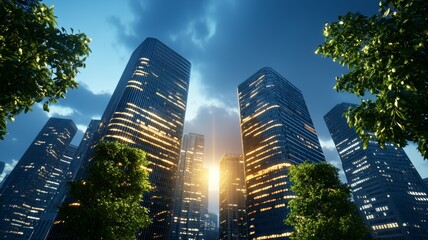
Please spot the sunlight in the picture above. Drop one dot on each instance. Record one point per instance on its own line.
(214, 178)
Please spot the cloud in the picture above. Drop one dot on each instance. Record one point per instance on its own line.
(82, 127)
(56, 110)
(8, 168)
(198, 97)
(327, 144)
(180, 21)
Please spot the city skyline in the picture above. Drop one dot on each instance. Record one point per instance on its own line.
(224, 42)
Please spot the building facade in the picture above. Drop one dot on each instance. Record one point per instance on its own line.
(188, 206)
(47, 218)
(147, 111)
(387, 189)
(211, 226)
(36, 180)
(277, 132)
(78, 170)
(233, 217)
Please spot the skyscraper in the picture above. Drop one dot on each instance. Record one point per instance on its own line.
(78, 170)
(277, 132)
(47, 218)
(188, 207)
(147, 111)
(233, 218)
(387, 189)
(211, 226)
(36, 179)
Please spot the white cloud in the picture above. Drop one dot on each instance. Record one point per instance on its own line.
(198, 98)
(81, 127)
(8, 168)
(56, 110)
(327, 144)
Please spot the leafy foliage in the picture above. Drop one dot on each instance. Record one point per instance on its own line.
(108, 201)
(322, 208)
(387, 56)
(38, 62)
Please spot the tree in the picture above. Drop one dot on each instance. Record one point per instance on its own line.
(322, 208)
(38, 62)
(107, 203)
(386, 55)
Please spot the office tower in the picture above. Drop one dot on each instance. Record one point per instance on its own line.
(204, 201)
(85, 146)
(78, 169)
(147, 111)
(233, 219)
(425, 180)
(188, 212)
(35, 181)
(47, 218)
(277, 132)
(211, 226)
(387, 189)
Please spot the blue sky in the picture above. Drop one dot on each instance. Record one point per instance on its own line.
(225, 40)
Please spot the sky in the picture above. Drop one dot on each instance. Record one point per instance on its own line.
(226, 41)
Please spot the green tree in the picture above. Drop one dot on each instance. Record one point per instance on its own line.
(107, 203)
(386, 55)
(322, 209)
(38, 61)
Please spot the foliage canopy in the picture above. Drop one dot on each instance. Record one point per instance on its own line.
(387, 57)
(107, 203)
(38, 61)
(322, 208)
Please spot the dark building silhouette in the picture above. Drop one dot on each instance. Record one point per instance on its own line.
(277, 132)
(188, 216)
(147, 111)
(233, 217)
(33, 184)
(387, 189)
(211, 226)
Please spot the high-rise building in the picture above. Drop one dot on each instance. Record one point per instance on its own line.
(78, 170)
(277, 132)
(85, 148)
(147, 111)
(188, 206)
(387, 189)
(233, 218)
(47, 218)
(211, 226)
(36, 179)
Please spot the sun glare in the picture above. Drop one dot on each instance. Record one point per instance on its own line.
(214, 178)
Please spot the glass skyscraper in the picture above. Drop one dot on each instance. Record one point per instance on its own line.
(277, 132)
(233, 217)
(47, 219)
(387, 189)
(189, 198)
(78, 170)
(147, 111)
(35, 181)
